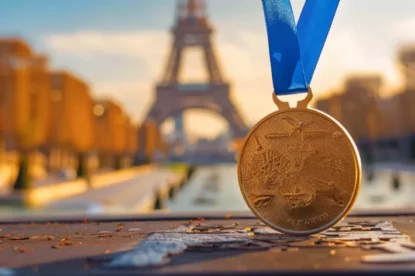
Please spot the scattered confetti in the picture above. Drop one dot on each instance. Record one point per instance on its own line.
(390, 258)
(23, 250)
(157, 248)
(19, 238)
(105, 234)
(48, 238)
(120, 227)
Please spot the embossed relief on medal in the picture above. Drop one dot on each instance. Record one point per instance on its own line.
(298, 170)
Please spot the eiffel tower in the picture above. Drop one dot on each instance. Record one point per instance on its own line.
(192, 29)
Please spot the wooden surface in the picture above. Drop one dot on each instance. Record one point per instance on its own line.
(81, 250)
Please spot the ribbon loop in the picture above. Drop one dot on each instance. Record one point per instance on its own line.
(294, 51)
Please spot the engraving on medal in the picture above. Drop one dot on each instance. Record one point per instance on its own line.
(273, 168)
(298, 199)
(262, 200)
(316, 134)
(332, 164)
(276, 135)
(258, 147)
(309, 221)
(297, 126)
(306, 175)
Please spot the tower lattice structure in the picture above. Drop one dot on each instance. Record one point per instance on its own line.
(193, 30)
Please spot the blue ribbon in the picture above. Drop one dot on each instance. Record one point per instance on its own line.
(295, 51)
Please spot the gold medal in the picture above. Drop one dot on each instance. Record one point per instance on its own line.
(299, 170)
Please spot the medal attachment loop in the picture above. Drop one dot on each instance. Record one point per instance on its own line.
(300, 104)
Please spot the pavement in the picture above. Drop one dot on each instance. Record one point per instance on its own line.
(135, 194)
(211, 188)
(381, 192)
(6, 173)
(127, 191)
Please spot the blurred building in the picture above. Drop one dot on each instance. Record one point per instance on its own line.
(383, 128)
(407, 102)
(151, 143)
(332, 105)
(356, 107)
(131, 146)
(147, 140)
(72, 123)
(111, 131)
(24, 96)
(406, 59)
(52, 113)
(399, 111)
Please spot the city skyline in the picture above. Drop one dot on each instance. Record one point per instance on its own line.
(113, 47)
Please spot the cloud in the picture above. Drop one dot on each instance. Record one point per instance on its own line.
(403, 30)
(97, 43)
(133, 87)
(148, 46)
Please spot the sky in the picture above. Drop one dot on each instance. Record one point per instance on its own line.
(119, 47)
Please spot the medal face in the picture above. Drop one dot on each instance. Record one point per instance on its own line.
(299, 171)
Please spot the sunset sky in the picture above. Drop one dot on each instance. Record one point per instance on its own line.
(119, 47)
